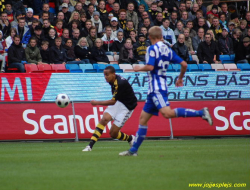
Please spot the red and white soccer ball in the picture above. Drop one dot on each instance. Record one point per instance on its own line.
(62, 100)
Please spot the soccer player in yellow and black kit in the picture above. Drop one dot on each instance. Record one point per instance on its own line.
(119, 109)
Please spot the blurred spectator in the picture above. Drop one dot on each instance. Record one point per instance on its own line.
(46, 27)
(60, 16)
(235, 19)
(182, 7)
(84, 5)
(91, 10)
(248, 18)
(69, 49)
(109, 5)
(119, 42)
(225, 43)
(96, 21)
(179, 29)
(188, 41)
(45, 53)
(132, 15)
(222, 20)
(180, 48)
(82, 50)
(126, 54)
(58, 53)
(231, 27)
(38, 36)
(75, 24)
(192, 32)
(9, 11)
(66, 4)
(108, 39)
(242, 53)
(88, 25)
(5, 24)
(140, 11)
(97, 53)
(144, 31)
(202, 7)
(147, 23)
(74, 16)
(198, 39)
(236, 38)
(52, 36)
(45, 15)
(168, 33)
(10, 38)
(65, 35)
(224, 9)
(58, 27)
(129, 28)
(91, 37)
(158, 20)
(17, 5)
(18, 15)
(208, 51)
(46, 9)
(140, 48)
(2, 49)
(32, 53)
(211, 32)
(80, 10)
(133, 36)
(173, 20)
(21, 28)
(153, 11)
(188, 5)
(216, 27)
(115, 11)
(192, 13)
(114, 26)
(66, 12)
(242, 27)
(102, 11)
(122, 19)
(214, 11)
(184, 18)
(76, 36)
(16, 55)
(216, 3)
(29, 17)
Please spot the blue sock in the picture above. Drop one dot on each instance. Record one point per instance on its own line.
(185, 112)
(140, 136)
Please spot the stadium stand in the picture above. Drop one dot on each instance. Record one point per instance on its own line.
(193, 67)
(231, 67)
(73, 68)
(243, 66)
(218, 67)
(87, 68)
(205, 67)
(126, 67)
(32, 68)
(59, 68)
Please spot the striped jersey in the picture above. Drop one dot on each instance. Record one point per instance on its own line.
(159, 56)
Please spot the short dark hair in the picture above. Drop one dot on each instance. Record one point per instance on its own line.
(17, 36)
(110, 68)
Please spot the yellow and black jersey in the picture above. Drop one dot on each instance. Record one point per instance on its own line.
(122, 91)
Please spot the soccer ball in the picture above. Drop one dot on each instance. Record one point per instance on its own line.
(62, 100)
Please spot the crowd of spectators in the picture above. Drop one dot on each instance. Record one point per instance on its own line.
(55, 32)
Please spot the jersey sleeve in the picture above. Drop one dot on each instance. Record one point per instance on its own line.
(150, 56)
(175, 58)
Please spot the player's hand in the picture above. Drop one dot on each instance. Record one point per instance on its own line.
(93, 102)
(137, 68)
(179, 82)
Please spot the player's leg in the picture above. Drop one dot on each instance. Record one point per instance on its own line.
(148, 111)
(98, 131)
(115, 133)
(167, 112)
(120, 117)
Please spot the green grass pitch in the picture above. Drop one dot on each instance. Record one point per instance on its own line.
(160, 165)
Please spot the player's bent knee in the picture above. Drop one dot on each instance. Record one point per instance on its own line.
(113, 134)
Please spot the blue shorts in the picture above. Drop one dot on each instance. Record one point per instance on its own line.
(156, 101)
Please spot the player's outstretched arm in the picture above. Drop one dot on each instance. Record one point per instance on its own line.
(143, 68)
(179, 81)
(104, 103)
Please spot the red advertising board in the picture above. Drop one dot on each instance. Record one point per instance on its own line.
(29, 121)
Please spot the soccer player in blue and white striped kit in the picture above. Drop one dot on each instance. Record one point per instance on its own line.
(158, 57)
